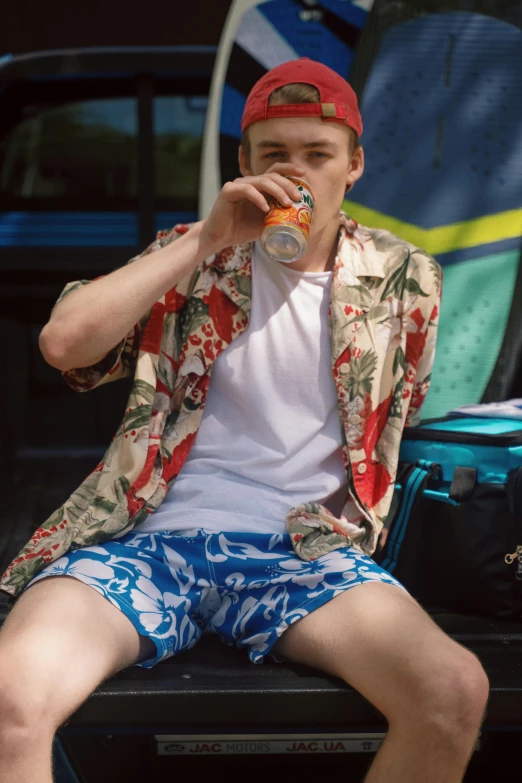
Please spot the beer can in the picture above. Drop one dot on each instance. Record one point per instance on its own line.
(287, 228)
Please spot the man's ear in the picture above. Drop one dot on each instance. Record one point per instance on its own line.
(244, 167)
(356, 168)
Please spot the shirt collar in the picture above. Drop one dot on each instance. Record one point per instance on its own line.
(356, 251)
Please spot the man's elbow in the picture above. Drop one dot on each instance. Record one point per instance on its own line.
(59, 352)
(53, 350)
(71, 354)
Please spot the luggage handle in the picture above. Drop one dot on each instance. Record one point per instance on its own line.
(444, 497)
(462, 484)
(413, 483)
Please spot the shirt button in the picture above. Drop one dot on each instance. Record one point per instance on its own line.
(355, 418)
(344, 368)
(362, 468)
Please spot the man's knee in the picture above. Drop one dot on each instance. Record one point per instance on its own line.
(25, 711)
(452, 698)
(470, 684)
(36, 694)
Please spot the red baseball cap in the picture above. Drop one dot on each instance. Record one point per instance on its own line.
(338, 101)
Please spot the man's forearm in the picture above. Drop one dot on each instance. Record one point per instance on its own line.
(95, 318)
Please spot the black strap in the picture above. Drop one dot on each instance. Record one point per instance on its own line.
(413, 479)
(514, 493)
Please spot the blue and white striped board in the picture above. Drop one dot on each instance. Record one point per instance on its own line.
(256, 37)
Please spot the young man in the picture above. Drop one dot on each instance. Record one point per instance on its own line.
(257, 528)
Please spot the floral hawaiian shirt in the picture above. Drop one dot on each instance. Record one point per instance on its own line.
(382, 319)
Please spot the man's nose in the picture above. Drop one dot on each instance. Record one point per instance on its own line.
(296, 160)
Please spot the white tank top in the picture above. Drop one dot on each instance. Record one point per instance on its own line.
(270, 434)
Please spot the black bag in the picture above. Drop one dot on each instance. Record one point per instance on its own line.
(455, 540)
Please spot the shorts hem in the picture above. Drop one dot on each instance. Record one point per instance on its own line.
(126, 609)
(276, 631)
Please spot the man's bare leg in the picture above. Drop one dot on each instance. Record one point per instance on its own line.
(432, 690)
(59, 642)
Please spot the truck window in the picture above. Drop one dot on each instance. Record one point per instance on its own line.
(178, 129)
(78, 150)
(87, 150)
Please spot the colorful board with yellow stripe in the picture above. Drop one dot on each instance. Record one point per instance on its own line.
(442, 109)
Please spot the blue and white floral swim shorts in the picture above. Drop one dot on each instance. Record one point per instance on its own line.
(245, 587)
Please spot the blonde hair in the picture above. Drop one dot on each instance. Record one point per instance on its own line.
(297, 92)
